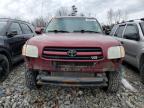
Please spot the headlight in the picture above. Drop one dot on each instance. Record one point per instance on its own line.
(116, 52)
(30, 51)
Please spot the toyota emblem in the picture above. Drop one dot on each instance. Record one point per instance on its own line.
(72, 53)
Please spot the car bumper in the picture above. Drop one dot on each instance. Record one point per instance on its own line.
(49, 65)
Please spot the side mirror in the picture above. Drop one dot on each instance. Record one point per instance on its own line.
(39, 30)
(106, 31)
(12, 33)
(132, 36)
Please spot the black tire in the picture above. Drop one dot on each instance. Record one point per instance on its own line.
(30, 77)
(4, 67)
(142, 73)
(113, 82)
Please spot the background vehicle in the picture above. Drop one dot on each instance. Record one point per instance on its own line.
(39, 30)
(131, 35)
(13, 35)
(73, 52)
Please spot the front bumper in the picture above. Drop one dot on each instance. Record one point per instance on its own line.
(49, 65)
(51, 74)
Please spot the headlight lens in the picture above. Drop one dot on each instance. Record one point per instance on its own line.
(30, 51)
(116, 52)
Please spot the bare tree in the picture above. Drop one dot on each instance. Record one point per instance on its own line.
(116, 16)
(125, 16)
(62, 11)
(120, 16)
(110, 16)
(119, 13)
(40, 22)
(89, 14)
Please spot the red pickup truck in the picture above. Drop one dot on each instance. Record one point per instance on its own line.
(73, 51)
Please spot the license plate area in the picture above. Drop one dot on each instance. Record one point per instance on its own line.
(58, 63)
(72, 66)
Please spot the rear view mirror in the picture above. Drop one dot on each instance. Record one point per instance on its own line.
(12, 33)
(132, 36)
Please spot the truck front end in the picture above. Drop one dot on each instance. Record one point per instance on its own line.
(73, 59)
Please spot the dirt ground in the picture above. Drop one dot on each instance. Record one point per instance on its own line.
(14, 94)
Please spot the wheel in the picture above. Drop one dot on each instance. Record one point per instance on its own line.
(4, 67)
(30, 77)
(142, 73)
(113, 81)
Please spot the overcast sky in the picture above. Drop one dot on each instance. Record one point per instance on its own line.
(30, 9)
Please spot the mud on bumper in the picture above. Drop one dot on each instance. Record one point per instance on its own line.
(88, 66)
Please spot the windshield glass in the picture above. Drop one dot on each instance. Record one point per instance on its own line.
(2, 25)
(74, 25)
(142, 26)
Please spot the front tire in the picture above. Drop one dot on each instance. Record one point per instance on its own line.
(142, 73)
(30, 77)
(4, 67)
(113, 81)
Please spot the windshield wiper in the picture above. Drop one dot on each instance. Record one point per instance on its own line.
(56, 31)
(83, 31)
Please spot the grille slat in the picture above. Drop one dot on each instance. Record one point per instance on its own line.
(77, 49)
(57, 63)
(71, 58)
(65, 56)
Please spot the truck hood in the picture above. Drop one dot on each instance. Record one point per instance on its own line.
(73, 40)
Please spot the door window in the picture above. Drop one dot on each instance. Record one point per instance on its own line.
(26, 29)
(113, 30)
(131, 31)
(15, 27)
(142, 26)
(119, 31)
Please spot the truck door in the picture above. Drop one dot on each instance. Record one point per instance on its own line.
(15, 38)
(131, 43)
(119, 33)
(27, 31)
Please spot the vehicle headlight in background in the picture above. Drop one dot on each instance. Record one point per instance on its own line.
(30, 51)
(116, 52)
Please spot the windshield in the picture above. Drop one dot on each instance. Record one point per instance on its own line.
(142, 26)
(74, 25)
(2, 25)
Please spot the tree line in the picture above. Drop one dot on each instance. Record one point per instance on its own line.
(112, 16)
(117, 16)
(62, 11)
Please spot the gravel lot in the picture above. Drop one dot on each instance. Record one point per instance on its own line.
(14, 94)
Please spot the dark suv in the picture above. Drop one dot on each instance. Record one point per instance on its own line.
(13, 35)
